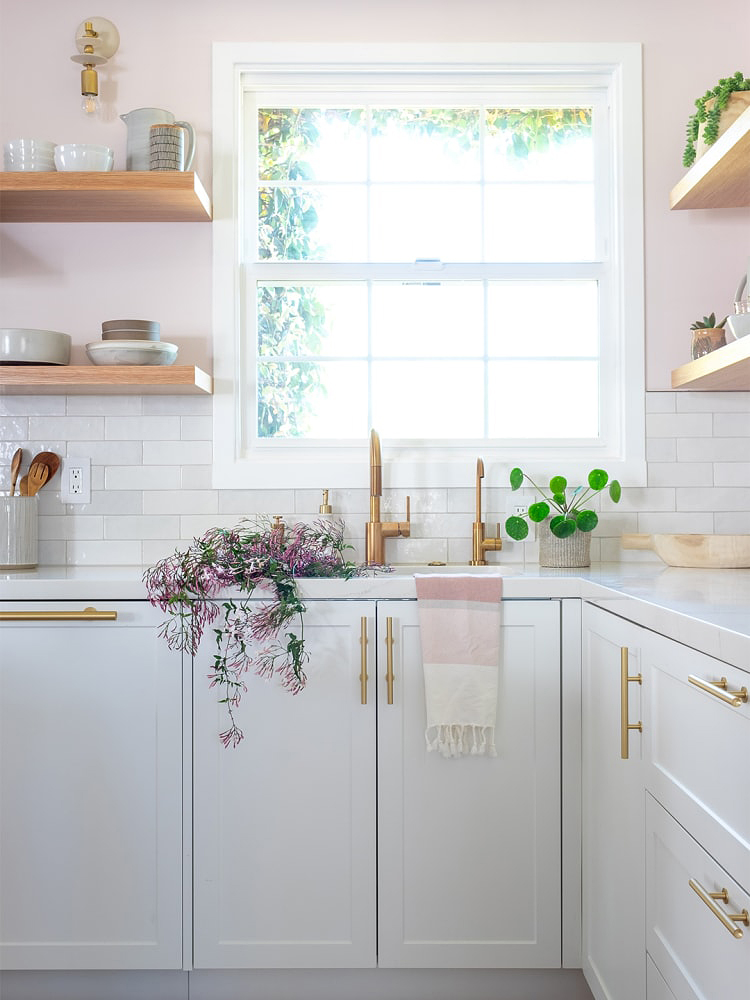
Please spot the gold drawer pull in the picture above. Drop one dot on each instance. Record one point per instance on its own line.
(625, 725)
(87, 615)
(389, 663)
(719, 689)
(363, 661)
(728, 919)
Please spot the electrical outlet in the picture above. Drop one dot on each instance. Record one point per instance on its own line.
(76, 480)
(519, 509)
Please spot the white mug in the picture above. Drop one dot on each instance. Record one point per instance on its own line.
(139, 122)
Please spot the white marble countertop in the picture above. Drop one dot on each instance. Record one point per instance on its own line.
(706, 609)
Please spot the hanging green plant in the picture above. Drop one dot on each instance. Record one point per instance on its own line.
(708, 112)
(216, 574)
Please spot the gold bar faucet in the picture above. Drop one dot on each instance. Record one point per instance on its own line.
(376, 531)
(480, 544)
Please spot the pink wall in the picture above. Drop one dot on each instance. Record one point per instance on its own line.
(71, 277)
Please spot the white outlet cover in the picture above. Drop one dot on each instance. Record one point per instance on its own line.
(76, 462)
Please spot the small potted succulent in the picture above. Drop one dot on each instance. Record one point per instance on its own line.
(712, 113)
(565, 520)
(707, 336)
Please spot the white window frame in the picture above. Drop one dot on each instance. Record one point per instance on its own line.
(296, 464)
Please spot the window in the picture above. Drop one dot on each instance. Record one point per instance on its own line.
(448, 251)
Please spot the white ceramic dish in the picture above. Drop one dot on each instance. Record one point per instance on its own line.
(739, 326)
(131, 352)
(24, 147)
(21, 346)
(150, 325)
(84, 156)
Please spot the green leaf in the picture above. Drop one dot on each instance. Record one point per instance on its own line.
(587, 520)
(558, 484)
(517, 528)
(539, 510)
(598, 479)
(563, 528)
(615, 491)
(516, 478)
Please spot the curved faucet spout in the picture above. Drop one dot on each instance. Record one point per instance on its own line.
(376, 470)
(480, 477)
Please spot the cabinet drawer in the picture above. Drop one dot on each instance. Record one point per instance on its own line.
(690, 945)
(694, 745)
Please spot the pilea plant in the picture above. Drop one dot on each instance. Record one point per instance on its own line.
(709, 116)
(572, 514)
(213, 578)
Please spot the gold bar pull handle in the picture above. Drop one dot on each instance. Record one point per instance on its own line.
(720, 689)
(729, 920)
(389, 658)
(87, 615)
(363, 661)
(625, 724)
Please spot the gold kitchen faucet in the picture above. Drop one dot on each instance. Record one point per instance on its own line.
(480, 544)
(376, 531)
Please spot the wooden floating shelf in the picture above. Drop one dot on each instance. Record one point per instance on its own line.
(76, 380)
(721, 177)
(117, 196)
(726, 368)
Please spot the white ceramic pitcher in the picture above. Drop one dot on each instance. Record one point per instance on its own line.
(139, 122)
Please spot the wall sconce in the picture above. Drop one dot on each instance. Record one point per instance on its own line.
(97, 40)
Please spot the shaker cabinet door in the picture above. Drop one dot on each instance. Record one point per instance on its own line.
(284, 871)
(469, 848)
(90, 790)
(614, 952)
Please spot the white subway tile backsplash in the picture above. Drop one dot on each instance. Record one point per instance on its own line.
(142, 477)
(152, 491)
(141, 527)
(127, 428)
(177, 452)
(180, 502)
(67, 428)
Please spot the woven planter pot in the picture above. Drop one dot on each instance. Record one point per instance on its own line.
(575, 550)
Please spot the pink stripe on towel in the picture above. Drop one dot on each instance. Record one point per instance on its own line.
(459, 618)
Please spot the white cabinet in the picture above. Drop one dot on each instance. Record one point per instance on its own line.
(284, 825)
(697, 723)
(469, 848)
(614, 956)
(91, 739)
(460, 864)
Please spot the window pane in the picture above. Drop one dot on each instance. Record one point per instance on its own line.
(315, 319)
(312, 223)
(423, 319)
(428, 399)
(543, 399)
(543, 318)
(540, 222)
(551, 144)
(425, 144)
(326, 399)
(410, 222)
(323, 144)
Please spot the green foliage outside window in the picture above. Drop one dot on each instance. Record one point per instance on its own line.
(291, 322)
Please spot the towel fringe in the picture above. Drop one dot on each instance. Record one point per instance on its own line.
(454, 741)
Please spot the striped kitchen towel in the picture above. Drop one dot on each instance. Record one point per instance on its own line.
(459, 618)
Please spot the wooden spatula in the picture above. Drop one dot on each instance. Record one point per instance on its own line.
(38, 476)
(50, 459)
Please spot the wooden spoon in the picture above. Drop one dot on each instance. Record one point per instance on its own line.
(15, 467)
(38, 476)
(23, 486)
(50, 459)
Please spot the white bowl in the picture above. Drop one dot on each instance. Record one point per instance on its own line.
(27, 146)
(19, 346)
(131, 352)
(39, 166)
(84, 156)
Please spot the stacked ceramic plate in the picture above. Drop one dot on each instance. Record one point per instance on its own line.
(131, 342)
(29, 154)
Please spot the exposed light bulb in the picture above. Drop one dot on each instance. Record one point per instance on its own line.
(90, 104)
